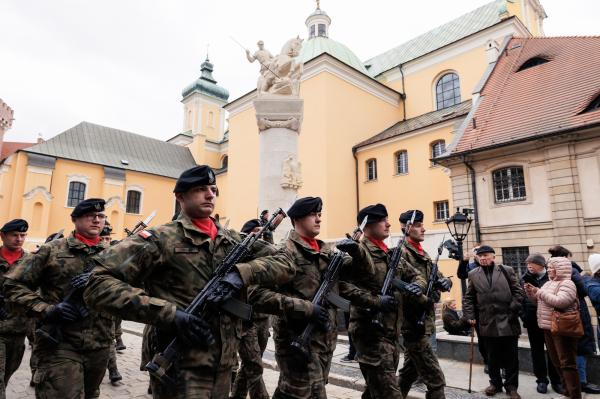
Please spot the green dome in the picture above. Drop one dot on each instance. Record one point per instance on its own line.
(316, 46)
(206, 84)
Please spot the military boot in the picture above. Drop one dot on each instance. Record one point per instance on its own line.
(119, 345)
(114, 376)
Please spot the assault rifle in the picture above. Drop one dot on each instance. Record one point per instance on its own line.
(162, 362)
(324, 293)
(433, 278)
(141, 225)
(51, 332)
(390, 276)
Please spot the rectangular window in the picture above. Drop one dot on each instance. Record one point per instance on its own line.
(442, 210)
(515, 258)
(76, 193)
(372, 169)
(509, 184)
(322, 31)
(133, 201)
(401, 162)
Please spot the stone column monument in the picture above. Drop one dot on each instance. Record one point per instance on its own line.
(279, 112)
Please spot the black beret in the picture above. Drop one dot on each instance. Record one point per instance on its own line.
(250, 225)
(87, 206)
(201, 175)
(484, 249)
(375, 213)
(304, 206)
(54, 236)
(106, 230)
(406, 216)
(18, 225)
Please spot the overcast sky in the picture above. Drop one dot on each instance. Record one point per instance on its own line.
(123, 63)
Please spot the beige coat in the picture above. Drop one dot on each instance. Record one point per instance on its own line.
(560, 293)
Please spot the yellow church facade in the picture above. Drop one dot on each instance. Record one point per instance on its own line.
(368, 133)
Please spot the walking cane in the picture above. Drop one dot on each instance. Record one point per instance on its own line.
(471, 359)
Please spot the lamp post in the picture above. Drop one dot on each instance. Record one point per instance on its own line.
(458, 226)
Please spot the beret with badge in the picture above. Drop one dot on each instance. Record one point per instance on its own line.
(87, 206)
(18, 225)
(375, 213)
(250, 225)
(305, 206)
(201, 175)
(406, 216)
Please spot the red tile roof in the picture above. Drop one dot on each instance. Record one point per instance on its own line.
(10, 147)
(538, 101)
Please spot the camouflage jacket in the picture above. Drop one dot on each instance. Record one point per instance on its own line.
(292, 301)
(44, 278)
(362, 285)
(413, 309)
(173, 262)
(16, 323)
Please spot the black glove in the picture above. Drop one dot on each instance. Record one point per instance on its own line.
(515, 306)
(82, 310)
(413, 289)
(444, 284)
(62, 312)
(192, 330)
(387, 303)
(320, 316)
(347, 245)
(226, 288)
(80, 280)
(3, 314)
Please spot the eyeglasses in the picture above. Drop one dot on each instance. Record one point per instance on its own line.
(92, 216)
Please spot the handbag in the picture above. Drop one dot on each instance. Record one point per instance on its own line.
(567, 323)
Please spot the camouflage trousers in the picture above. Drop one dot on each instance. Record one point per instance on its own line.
(378, 359)
(69, 374)
(249, 375)
(112, 358)
(118, 329)
(195, 383)
(420, 361)
(299, 379)
(11, 354)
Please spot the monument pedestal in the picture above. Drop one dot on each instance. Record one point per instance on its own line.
(279, 119)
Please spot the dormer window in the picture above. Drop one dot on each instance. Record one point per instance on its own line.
(593, 106)
(535, 61)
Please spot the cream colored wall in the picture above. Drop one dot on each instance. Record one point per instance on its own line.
(420, 86)
(221, 203)
(588, 168)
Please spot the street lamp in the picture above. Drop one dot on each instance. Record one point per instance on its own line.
(458, 226)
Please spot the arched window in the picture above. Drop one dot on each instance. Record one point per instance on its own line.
(76, 193)
(447, 91)
(437, 149)
(509, 184)
(224, 161)
(134, 200)
(372, 169)
(401, 162)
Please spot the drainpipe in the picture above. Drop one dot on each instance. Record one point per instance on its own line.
(403, 94)
(475, 207)
(356, 176)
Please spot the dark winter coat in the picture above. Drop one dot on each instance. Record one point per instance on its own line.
(593, 287)
(529, 311)
(453, 324)
(586, 344)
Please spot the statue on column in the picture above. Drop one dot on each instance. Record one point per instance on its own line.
(264, 58)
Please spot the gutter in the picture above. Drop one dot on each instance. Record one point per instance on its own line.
(356, 177)
(475, 207)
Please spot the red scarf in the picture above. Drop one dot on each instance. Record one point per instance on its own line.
(11, 256)
(312, 243)
(207, 226)
(417, 246)
(380, 244)
(90, 242)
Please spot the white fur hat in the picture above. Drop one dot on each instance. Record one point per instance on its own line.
(594, 262)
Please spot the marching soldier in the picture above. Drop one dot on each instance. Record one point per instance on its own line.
(13, 326)
(255, 335)
(76, 364)
(292, 306)
(419, 359)
(377, 348)
(173, 262)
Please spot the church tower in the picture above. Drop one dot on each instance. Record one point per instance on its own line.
(203, 113)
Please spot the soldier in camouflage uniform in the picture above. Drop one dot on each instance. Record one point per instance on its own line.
(76, 365)
(419, 358)
(377, 346)
(173, 262)
(255, 335)
(13, 326)
(293, 309)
